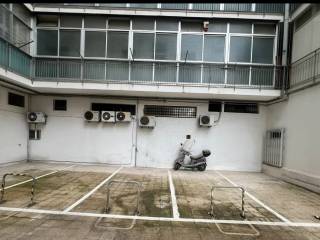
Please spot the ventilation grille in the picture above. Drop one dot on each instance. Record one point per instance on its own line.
(170, 111)
(274, 144)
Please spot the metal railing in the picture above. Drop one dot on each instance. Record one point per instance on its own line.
(158, 73)
(305, 70)
(229, 7)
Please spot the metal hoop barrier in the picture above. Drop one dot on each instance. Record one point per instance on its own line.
(3, 185)
(211, 213)
(137, 184)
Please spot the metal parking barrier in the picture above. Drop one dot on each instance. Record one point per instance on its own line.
(137, 210)
(211, 213)
(3, 185)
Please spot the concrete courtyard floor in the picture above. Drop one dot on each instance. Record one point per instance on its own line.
(70, 201)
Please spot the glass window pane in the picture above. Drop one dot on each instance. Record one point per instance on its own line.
(240, 27)
(5, 23)
(47, 42)
(240, 49)
(264, 29)
(117, 70)
(216, 26)
(191, 47)
(95, 22)
(117, 44)
(123, 24)
(143, 45)
(141, 71)
(95, 44)
(191, 27)
(190, 73)
(167, 25)
(71, 21)
(166, 46)
(143, 23)
(262, 50)
(165, 72)
(44, 20)
(213, 74)
(214, 48)
(69, 43)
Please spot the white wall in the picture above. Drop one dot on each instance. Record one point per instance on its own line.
(13, 128)
(300, 116)
(236, 141)
(306, 39)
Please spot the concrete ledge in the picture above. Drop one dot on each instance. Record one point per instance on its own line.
(310, 182)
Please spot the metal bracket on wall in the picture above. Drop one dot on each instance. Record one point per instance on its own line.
(3, 185)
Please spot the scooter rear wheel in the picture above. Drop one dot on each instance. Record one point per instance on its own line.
(202, 167)
(177, 166)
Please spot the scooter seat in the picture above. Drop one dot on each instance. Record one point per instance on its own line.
(198, 156)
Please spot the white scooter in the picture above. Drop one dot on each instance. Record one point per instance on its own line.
(198, 161)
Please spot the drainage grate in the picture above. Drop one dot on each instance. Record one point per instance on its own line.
(273, 149)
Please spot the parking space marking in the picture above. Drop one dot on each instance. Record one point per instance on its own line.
(68, 209)
(174, 204)
(44, 175)
(163, 219)
(256, 200)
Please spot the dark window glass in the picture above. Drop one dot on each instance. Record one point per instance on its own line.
(70, 43)
(47, 43)
(15, 99)
(241, 107)
(59, 105)
(117, 46)
(215, 107)
(34, 134)
(95, 44)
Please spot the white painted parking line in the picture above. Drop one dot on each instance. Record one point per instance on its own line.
(44, 175)
(174, 204)
(68, 209)
(256, 200)
(163, 219)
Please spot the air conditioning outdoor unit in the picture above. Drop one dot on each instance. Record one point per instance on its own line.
(92, 116)
(36, 117)
(123, 116)
(147, 121)
(206, 120)
(108, 116)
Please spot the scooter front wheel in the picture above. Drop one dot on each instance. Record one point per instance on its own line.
(177, 166)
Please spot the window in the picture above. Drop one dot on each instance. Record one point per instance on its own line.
(123, 24)
(166, 46)
(34, 134)
(240, 27)
(47, 42)
(215, 107)
(264, 29)
(47, 20)
(240, 49)
(216, 26)
(213, 48)
(70, 43)
(117, 45)
(95, 22)
(71, 21)
(167, 24)
(262, 50)
(170, 111)
(15, 99)
(241, 107)
(143, 45)
(114, 107)
(143, 24)
(59, 105)
(95, 44)
(191, 26)
(191, 47)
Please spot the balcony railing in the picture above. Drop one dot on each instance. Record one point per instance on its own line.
(229, 7)
(305, 70)
(158, 73)
(137, 72)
